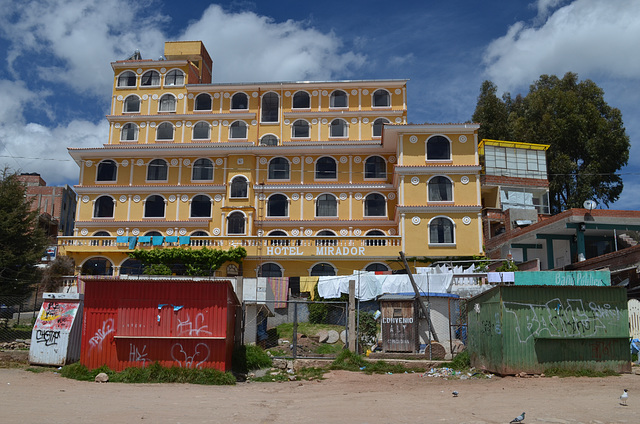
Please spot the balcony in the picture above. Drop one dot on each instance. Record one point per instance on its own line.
(255, 246)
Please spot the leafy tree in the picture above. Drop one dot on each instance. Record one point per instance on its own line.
(22, 241)
(588, 140)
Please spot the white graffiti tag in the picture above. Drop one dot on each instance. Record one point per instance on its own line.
(190, 329)
(101, 334)
(200, 355)
(135, 355)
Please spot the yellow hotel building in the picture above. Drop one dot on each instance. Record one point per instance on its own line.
(311, 178)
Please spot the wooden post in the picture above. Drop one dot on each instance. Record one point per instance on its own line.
(351, 329)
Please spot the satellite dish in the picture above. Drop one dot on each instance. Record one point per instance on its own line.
(589, 204)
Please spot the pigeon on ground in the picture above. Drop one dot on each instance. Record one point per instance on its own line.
(623, 397)
(455, 393)
(518, 419)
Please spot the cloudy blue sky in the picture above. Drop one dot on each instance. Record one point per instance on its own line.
(55, 77)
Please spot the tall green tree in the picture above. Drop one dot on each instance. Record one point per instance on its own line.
(22, 241)
(588, 140)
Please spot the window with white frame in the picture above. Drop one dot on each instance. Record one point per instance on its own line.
(326, 168)
(235, 223)
(202, 131)
(269, 140)
(300, 129)
(301, 100)
(157, 170)
(131, 104)
(327, 205)
(440, 189)
(438, 148)
(375, 205)
(279, 169)
(338, 128)
(202, 170)
(375, 167)
(103, 207)
(150, 79)
(201, 206)
(167, 103)
(377, 267)
(277, 206)
(441, 231)
(127, 79)
(174, 77)
(381, 98)
(129, 132)
(164, 131)
(154, 206)
(203, 102)
(238, 129)
(270, 108)
(107, 171)
(378, 125)
(338, 98)
(270, 269)
(322, 269)
(239, 187)
(239, 101)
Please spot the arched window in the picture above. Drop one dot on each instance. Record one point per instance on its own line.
(269, 140)
(381, 98)
(103, 207)
(240, 101)
(201, 206)
(270, 106)
(440, 189)
(338, 128)
(438, 148)
(239, 187)
(202, 170)
(375, 167)
(323, 269)
(326, 205)
(375, 241)
(279, 169)
(199, 234)
(157, 170)
(202, 131)
(301, 100)
(378, 125)
(153, 234)
(97, 266)
(167, 103)
(164, 131)
(102, 234)
(107, 171)
(127, 79)
(376, 267)
(174, 77)
(238, 129)
(235, 223)
(277, 233)
(300, 129)
(326, 168)
(338, 99)
(150, 79)
(131, 104)
(131, 267)
(270, 270)
(374, 205)
(154, 207)
(277, 205)
(441, 231)
(203, 102)
(129, 132)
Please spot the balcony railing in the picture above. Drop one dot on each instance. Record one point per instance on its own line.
(265, 246)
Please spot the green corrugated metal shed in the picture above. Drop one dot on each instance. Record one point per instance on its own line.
(514, 329)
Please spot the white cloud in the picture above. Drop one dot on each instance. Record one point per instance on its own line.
(248, 47)
(590, 37)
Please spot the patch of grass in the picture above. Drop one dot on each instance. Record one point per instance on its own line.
(461, 362)
(579, 372)
(329, 349)
(350, 361)
(257, 358)
(154, 373)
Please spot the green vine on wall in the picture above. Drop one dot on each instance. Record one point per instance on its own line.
(195, 261)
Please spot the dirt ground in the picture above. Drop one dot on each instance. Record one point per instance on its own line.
(27, 397)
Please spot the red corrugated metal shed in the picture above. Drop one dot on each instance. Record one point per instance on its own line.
(176, 322)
